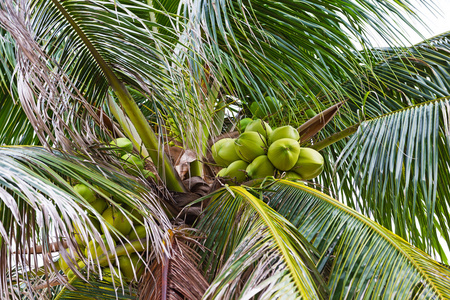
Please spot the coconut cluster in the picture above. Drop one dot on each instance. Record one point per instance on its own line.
(115, 215)
(260, 152)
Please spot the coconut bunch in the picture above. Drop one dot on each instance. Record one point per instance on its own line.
(115, 216)
(261, 151)
(123, 269)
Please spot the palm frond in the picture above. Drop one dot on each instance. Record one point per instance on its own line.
(241, 230)
(39, 206)
(368, 261)
(403, 77)
(279, 49)
(399, 166)
(15, 129)
(105, 288)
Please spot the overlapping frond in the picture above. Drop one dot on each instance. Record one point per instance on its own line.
(295, 50)
(242, 231)
(368, 261)
(39, 207)
(15, 128)
(396, 169)
(399, 78)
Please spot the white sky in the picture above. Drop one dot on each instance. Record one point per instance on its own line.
(437, 21)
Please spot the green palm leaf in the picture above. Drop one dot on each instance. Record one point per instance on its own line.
(403, 77)
(368, 261)
(399, 164)
(243, 231)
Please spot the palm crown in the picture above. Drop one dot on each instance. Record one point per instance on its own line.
(174, 77)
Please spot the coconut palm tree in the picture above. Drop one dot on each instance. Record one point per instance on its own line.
(176, 76)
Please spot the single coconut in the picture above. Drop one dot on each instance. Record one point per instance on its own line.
(117, 219)
(310, 113)
(224, 152)
(127, 263)
(149, 174)
(62, 262)
(134, 212)
(283, 153)
(291, 175)
(260, 167)
(103, 191)
(309, 163)
(236, 171)
(273, 104)
(139, 232)
(256, 110)
(222, 173)
(260, 126)
(124, 144)
(99, 205)
(132, 162)
(243, 124)
(284, 132)
(260, 110)
(85, 192)
(250, 145)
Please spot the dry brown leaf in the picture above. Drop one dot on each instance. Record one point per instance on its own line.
(315, 124)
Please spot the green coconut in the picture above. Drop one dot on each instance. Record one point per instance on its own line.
(117, 219)
(222, 173)
(310, 113)
(85, 192)
(284, 132)
(260, 110)
(124, 144)
(243, 124)
(132, 162)
(260, 126)
(236, 171)
(309, 163)
(283, 153)
(149, 174)
(99, 205)
(139, 232)
(103, 191)
(127, 263)
(291, 175)
(63, 264)
(134, 212)
(250, 145)
(224, 152)
(260, 167)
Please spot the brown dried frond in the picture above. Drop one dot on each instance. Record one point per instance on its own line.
(60, 115)
(176, 277)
